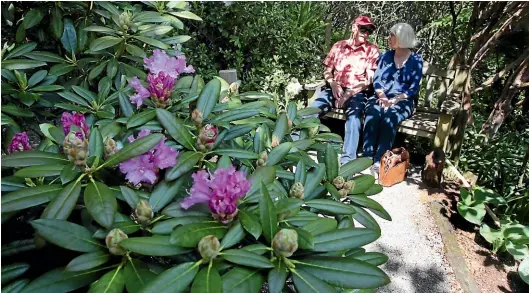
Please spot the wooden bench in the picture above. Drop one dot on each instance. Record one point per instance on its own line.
(431, 122)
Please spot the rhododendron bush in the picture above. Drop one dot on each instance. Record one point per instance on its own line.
(199, 188)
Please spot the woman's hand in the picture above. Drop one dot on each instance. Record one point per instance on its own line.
(383, 102)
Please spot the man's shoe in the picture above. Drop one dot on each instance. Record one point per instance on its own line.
(375, 170)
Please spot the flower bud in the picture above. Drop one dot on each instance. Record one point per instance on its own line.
(196, 116)
(225, 218)
(338, 182)
(349, 185)
(110, 147)
(144, 212)
(209, 247)
(125, 20)
(112, 241)
(285, 242)
(76, 148)
(200, 146)
(208, 135)
(297, 190)
(263, 156)
(260, 163)
(343, 192)
(289, 123)
(275, 141)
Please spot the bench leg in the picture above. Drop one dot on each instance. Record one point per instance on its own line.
(443, 131)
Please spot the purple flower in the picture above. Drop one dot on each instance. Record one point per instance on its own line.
(160, 86)
(76, 119)
(145, 167)
(20, 142)
(220, 190)
(172, 66)
(141, 92)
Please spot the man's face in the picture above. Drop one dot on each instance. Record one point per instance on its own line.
(360, 34)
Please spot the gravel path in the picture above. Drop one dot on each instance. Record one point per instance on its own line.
(413, 243)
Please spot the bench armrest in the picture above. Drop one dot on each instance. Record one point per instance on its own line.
(451, 107)
(314, 85)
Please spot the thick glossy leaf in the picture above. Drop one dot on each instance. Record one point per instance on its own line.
(45, 56)
(301, 172)
(208, 97)
(12, 183)
(235, 235)
(17, 111)
(95, 144)
(473, 213)
(517, 233)
(344, 272)
(67, 235)
(134, 149)
(152, 42)
(237, 153)
(374, 258)
(246, 258)
(84, 93)
(88, 261)
(174, 210)
(189, 235)
(164, 192)
(355, 166)
(306, 282)
(104, 42)
(62, 205)
(135, 50)
(13, 271)
(370, 204)
(344, 239)
(137, 275)
(155, 246)
(321, 225)
(176, 128)
(29, 197)
(186, 162)
(375, 189)
(207, 281)
(177, 39)
(331, 206)
(15, 286)
(314, 178)
(39, 171)
(61, 281)
(305, 239)
(331, 162)
(173, 280)
(21, 64)
(167, 227)
(33, 158)
(362, 184)
(141, 118)
(111, 282)
(277, 277)
(365, 218)
(21, 50)
(32, 18)
(250, 222)
(281, 128)
(267, 214)
(130, 196)
(69, 37)
(242, 280)
(278, 153)
(100, 203)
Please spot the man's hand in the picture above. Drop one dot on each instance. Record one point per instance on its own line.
(337, 90)
(340, 102)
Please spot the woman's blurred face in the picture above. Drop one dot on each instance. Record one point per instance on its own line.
(392, 41)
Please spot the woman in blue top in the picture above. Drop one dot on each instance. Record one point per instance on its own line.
(396, 82)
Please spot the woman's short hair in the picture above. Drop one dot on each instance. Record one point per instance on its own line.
(405, 35)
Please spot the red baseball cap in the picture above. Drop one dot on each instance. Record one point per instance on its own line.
(363, 20)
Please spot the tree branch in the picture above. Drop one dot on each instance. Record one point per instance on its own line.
(454, 23)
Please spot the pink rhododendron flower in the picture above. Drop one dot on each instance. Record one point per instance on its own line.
(145, 167)
(76, 119)
(220, 190)
(20, 142)
(172, 66)
(160, 86)
(141, 92)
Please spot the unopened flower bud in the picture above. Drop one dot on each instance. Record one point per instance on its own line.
(112, 241)
(297, 190)
(209, 247)
(110, 147)
(208, 135)
(76, 148)
(196, 116)
(275, 141)
(349, 185)
(260, 163)
(343, 192)
(263, 156)
(200, 146)
(338, 182)
(289, 123)
(144, 212)
(285, 242)
(225, 218)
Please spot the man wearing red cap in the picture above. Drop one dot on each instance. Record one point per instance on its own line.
(350, 67)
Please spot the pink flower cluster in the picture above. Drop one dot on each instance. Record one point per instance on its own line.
(75, 119)
(220, 190)
(145, 167)
(163, 72)
(20, 142)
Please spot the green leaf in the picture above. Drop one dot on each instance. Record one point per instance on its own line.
(47, 88)
(137, 274)
(208, 97)
(374, 206)
(344, 239)
(69, 37)
(281, 128)
(21, 50)
(331, 162)
(523, 270)
(21, 64)
(29, 197)
(176, 128)
(235, 114)
(207, 281)
(189, 235)
(141, 118)
(12, 183)
(15, 286)
(517, 233)
(278, 153)
(47, 57)
(277, 277)
(100, 203)
(331, 206)
(111, 282)
(97, 70)
(355, 166)
(66, 235)
(125, 105)
(134, 149)
(186, 14)
(305, 239)
(135, 50)
(32, 18)
(314, 178)
(84, 93)
(301, 172)
(130, 196)
(237, 153)
(63, 204)
(306, 282)
(321, 225)
(95, 144)
(152, 42)
(473, 213)
(374, 258)
(88, 261)
(375, 189)
(246, 258)
(344, 272)
(250, 222)
(154, 246)
(242, 280)
(20, 34)
(173, 280)
(186, 162)
(39, 171)
(267, 214)
(110, 130)
(61, 281)
(177, 40)
(235, 235)
(163, 193)
(365, 218)
(104, 42)
(34, 80)
(56, 22)
(61, 69)
(362, 184)
(166, 227)
(13, 271)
